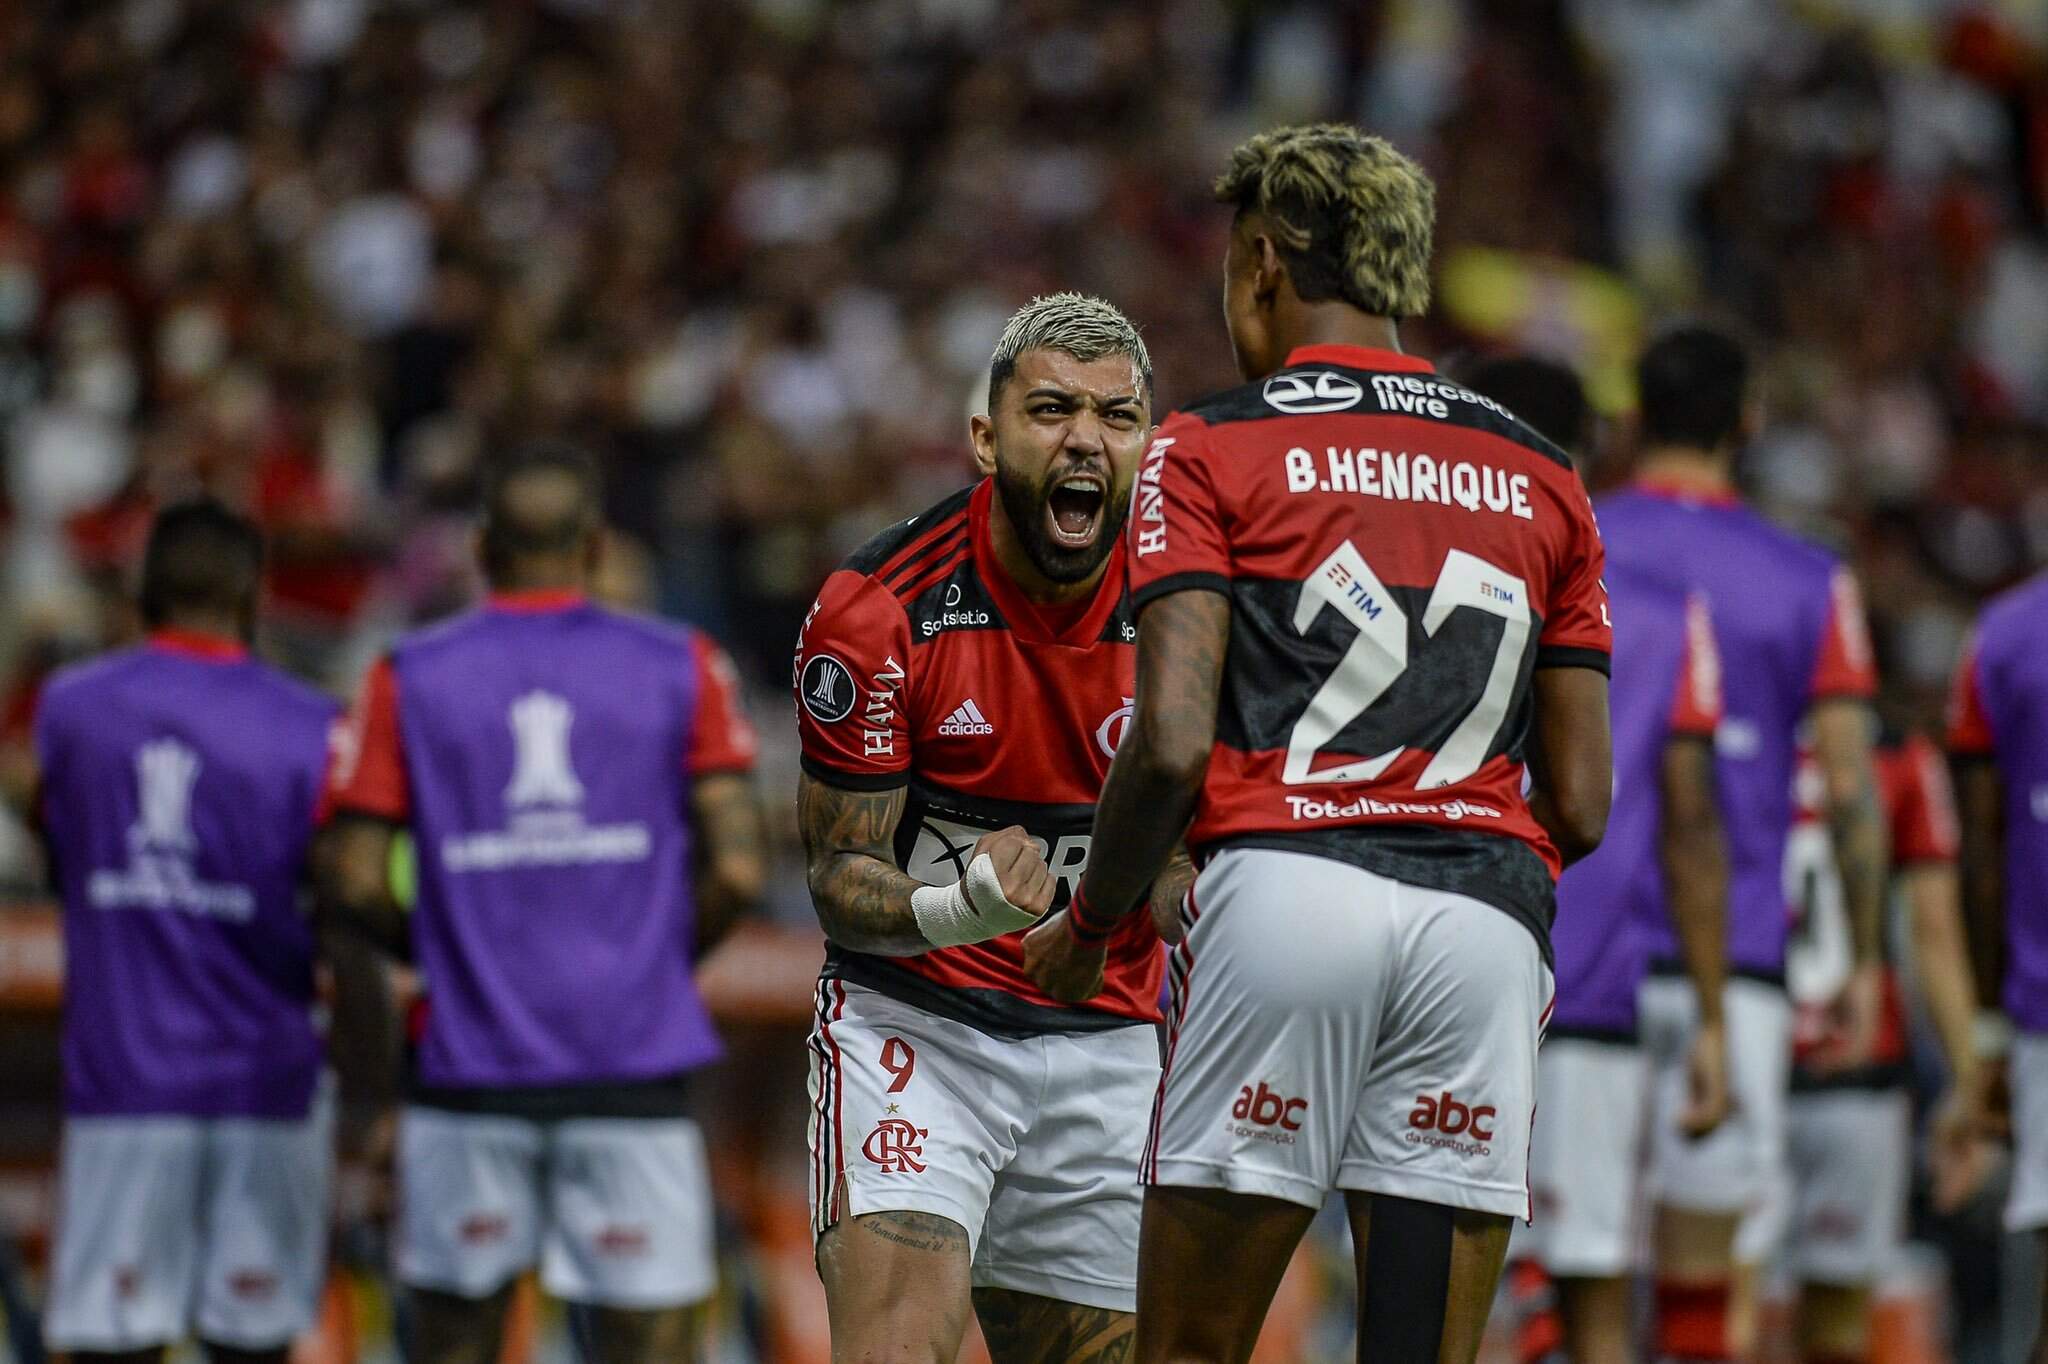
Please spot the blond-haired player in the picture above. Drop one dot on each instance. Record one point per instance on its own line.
(1369, 600)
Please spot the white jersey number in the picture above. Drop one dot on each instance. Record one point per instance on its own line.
(1345, 583)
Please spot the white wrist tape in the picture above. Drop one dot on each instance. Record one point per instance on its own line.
(972, 909)
(1991, 1034)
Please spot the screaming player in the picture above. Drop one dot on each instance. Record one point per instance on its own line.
(962, 684)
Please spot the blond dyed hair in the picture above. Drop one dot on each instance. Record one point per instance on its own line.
(1072, 324)
(1352, 216)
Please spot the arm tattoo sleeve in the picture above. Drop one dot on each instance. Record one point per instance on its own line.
(861, 895)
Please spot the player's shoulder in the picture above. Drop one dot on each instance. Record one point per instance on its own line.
(79, 683)
(1330, 390)
(293, 694)
(2018, 611)
(446, 633)
(902, 561)
(655, 634)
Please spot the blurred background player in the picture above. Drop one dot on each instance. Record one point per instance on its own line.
(1850, 1127)
(1794, 650)
(179, 781)
(575, 781)
(1663, 860)
(962, 685)
(1366, 590)
(1998, 732)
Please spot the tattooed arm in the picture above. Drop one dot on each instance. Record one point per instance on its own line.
(1152, 788)
(861, 895)
(731, 861)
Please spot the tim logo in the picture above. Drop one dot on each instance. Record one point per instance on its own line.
(164, 772)
(1443, 1121)
(1263, 1107)
(1110, 732)
(541, 774)
(253, 1285)
(896, 1146)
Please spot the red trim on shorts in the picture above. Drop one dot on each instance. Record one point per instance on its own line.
(838, 1120)
(820, 1107)
(1148, 1169)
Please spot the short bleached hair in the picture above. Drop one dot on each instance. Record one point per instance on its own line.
(1072, 324)
(1352, 217)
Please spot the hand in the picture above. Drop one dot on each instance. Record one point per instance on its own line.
(1706, 1082)
(1020, 868)
(1857, 1018)
(1060, 966)
(1959, 1152)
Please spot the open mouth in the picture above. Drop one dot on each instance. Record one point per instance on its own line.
(1075, 511)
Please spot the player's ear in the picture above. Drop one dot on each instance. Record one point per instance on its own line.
(1268, 270)
(981, 431)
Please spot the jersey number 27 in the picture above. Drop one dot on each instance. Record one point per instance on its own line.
(1345, 583)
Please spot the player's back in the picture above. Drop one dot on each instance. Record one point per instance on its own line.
(1400, 555)
(1610, 906)
(2001, 713)
(545, 754)
(1790, 631)
(179, 784)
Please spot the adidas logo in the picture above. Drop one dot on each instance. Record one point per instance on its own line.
(967, 719)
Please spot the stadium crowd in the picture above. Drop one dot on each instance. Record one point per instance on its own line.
(323, 258)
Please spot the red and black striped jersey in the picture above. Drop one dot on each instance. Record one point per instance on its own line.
(923, 665)
(1400, 555)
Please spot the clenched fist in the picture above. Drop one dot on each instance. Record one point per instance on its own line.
(1020, 868)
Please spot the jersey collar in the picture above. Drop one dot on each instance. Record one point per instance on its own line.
(1358, 357)
(1027, 620)
(200, 644)
(534, 601)
(1687, 493)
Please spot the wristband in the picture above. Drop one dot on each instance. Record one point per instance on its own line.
(972, 909)
(1086, 929)
(1991, 1035)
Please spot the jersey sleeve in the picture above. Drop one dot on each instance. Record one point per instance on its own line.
(1176, 522)
(1969, 724)
(1844, 666)
(852, 687)
(722, 738)
(1578, 632)
(366, 767)
(1923, 823)
(1696, 704)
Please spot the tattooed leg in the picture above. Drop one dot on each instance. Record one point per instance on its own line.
(896, 1287)
(1022, 1328)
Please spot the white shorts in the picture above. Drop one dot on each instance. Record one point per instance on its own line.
(1851, 1153)
(1337, 1029)
(2026, 1208)
(1739, 1167)
(171, 1226)
(616, 1211)
(1031, 1145)
(1585, 1158)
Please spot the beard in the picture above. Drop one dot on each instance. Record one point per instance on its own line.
(1025, 503)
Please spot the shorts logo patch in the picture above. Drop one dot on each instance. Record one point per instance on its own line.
(484, 1228)
(827, 689)
(253, 1284)
(623, 1242)
(127, 1281)
(1265, 1114)
(895, 1146)
(1441, 1120)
